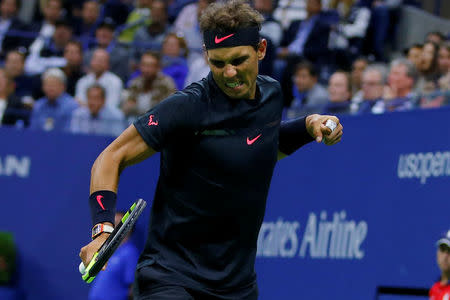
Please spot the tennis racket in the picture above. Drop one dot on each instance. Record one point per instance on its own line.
(116, 237)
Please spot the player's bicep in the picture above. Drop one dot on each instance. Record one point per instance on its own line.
(130, 148)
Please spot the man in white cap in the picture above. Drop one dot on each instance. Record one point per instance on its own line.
(441, 289)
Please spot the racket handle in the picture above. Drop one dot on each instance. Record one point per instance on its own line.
(82, 268)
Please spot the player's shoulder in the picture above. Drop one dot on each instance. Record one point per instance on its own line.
(267, 82)
(195, 94)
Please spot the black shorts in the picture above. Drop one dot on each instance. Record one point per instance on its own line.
(153, 283)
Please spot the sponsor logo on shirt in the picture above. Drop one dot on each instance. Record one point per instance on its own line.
(151, 121)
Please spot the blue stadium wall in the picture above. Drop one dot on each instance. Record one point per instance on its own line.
(340, 221)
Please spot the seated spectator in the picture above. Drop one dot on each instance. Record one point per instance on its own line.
(85, 27)
(414, 54)
(444, 59)
(340, 93)
(97, 118)
(174, 8)
(9, 25)
(54, 110)
(174, 63)
(99, 73)
(270, 27)
(287, 11)
(428, 66)
(309, 96)
(349, 34)
(52, 11)
(373, 81)
(51, 54)
(152, 36)
(27, 87)
(11, 107)
(398, 95)
(73, 53)
(150, 88)
(435, 37)
(306, 39)
(358, 67)
(198, 70)
(441, 289)
(117, 10)
(188, 27)
(104, 39)
(138, 18)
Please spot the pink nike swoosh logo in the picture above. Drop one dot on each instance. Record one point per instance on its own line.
(99, 200)
(217, 40)
(251, 141)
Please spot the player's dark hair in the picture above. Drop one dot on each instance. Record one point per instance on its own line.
(230, 16)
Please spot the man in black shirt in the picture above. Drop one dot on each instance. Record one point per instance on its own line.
(219, 141)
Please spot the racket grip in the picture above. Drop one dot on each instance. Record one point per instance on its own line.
(82, 268)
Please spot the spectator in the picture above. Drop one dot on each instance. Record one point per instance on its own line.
(97, 118)
(198, 70)
(27, 87)
(306, 39)
(150, 88)
(287, 11)
(349, 34)
(54, 110)
(11, 107)
(373, 81)
(441, 289)
(270, 27)
(358, 67)
(117, 10)
(45, 29)
(116, 281)
(174, 63)
(104, 39)
(187, 26)
(414, 54)
(138, 18)
(51, 54)
(435, 37)
(444, 59)
(428, 66)
(309, 96)
(398, 95)
(99, 73)
(73, 53)
(340, 93)
(9, 24)
(152, 36)
(86, 26)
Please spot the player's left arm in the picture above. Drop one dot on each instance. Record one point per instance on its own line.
(298, 132)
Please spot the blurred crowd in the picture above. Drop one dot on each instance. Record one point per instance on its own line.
(93, 66)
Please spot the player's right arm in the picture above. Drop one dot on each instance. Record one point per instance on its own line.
(127, 149)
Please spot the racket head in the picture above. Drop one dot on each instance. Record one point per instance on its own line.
(114, 240)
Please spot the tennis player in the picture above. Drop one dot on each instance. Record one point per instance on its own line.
(219, 140)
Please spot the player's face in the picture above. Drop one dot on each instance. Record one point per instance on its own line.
(443, 258)
(235, 69)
